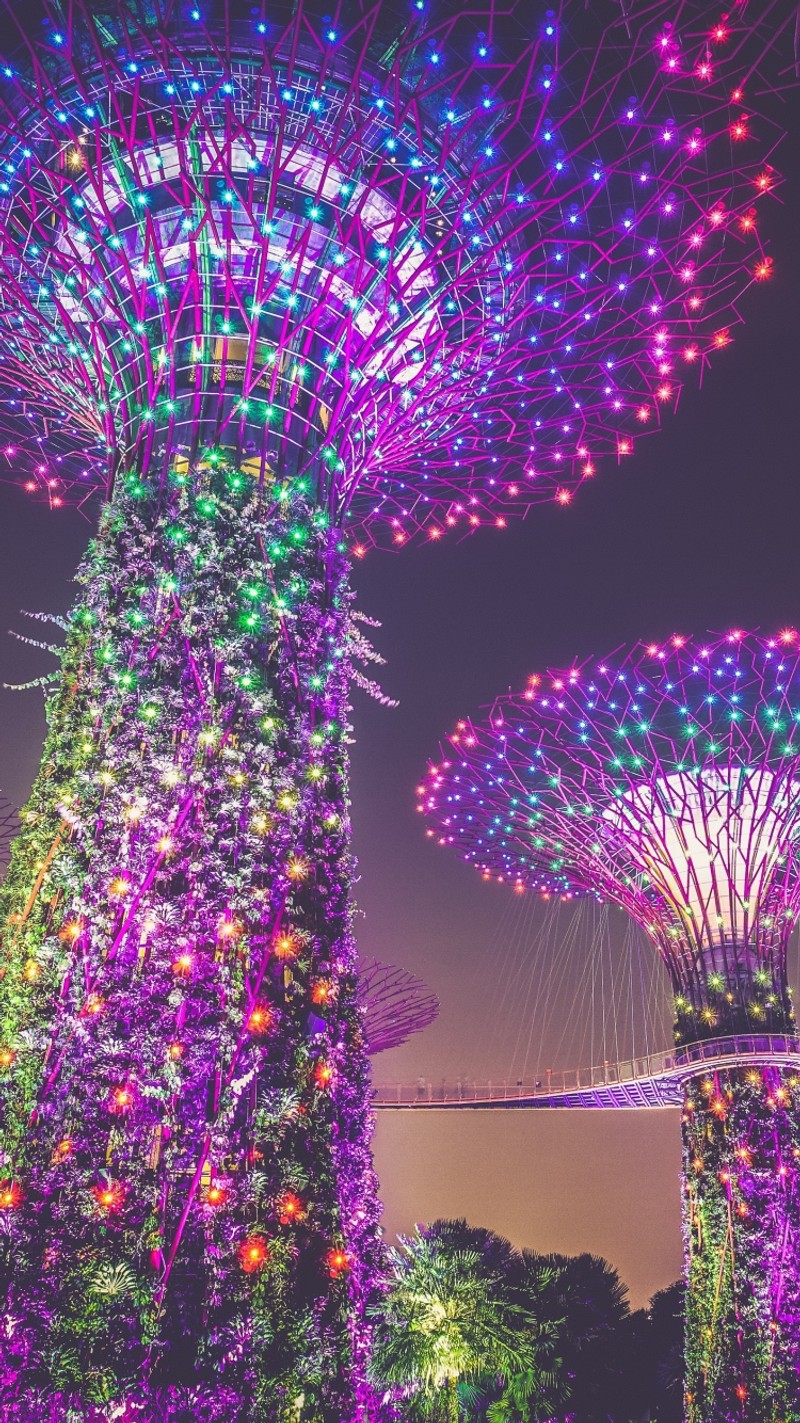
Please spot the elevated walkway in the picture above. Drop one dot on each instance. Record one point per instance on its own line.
(657, 1080)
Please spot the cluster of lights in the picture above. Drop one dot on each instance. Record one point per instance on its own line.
(603, 778)
(469, 344)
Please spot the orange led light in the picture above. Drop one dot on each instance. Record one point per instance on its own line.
(260, 1019)
(290, 1208)
(286, 946)
(253, 1253)
(338, 1262)
(108, 1195)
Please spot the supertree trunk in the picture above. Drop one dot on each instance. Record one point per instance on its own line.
(741, 1217)
(188, 1202)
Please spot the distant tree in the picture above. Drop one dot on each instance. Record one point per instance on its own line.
(451, 1317)
(652, 1361)
(635, 1396)
(666, 1314)
(590, 1303)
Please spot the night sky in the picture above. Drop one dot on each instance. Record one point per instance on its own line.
(699, 531)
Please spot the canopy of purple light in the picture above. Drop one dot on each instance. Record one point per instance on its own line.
(665, 779)
(442, 263)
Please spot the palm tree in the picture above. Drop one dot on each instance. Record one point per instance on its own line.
(589, 1299)
(534, 1392)
(450, 1317)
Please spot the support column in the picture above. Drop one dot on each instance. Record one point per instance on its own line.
(741, 1225)
(188, 1200)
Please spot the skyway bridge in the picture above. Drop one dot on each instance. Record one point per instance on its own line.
(655, 1080)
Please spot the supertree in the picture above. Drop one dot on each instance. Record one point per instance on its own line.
(276, 283)
(396, 1005)
(667, 781)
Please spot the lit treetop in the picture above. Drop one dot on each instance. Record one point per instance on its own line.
(666, 780)
(436, 264)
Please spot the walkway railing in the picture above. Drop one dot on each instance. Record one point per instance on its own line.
(655, 1079)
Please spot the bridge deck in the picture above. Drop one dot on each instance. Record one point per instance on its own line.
(657, 1080)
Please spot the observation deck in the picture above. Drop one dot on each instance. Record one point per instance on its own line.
(655, 1080)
